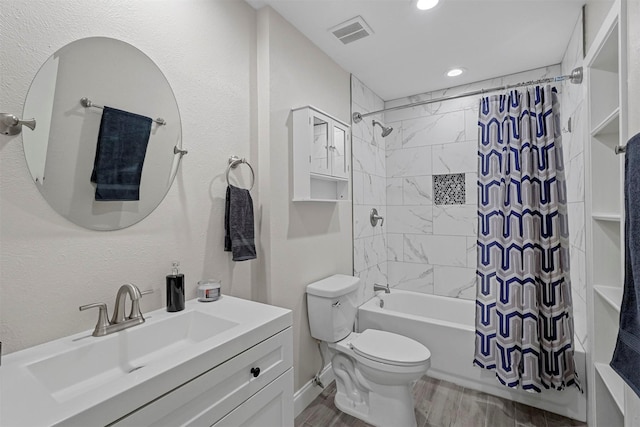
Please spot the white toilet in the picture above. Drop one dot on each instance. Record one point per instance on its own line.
(375, 370)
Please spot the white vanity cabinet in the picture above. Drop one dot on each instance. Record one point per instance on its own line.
(269, 407)
(228, 362)
(255, 388)
(321, 156)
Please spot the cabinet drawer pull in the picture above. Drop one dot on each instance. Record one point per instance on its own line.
(255, 372)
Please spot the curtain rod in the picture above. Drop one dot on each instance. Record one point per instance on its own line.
(575, 77)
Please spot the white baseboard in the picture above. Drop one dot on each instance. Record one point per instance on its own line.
(303, 397)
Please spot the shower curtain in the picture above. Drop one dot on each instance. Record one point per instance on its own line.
(524, 319)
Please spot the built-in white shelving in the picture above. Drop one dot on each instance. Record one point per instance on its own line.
(609, 126)
(605, 216)
(602, 216)
(611, 295)
(613, 382)
(606, 92)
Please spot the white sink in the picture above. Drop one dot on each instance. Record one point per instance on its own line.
(86, 380)
(105, 359)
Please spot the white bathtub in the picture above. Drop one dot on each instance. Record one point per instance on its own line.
(446, 327)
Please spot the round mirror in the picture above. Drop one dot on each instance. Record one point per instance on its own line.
(61, 151)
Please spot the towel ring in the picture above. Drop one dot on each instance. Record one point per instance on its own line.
(234, 161)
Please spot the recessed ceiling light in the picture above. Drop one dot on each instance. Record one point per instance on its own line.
(426, 4)
(455, 72)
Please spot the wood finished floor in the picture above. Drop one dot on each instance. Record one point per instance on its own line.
(441, 404)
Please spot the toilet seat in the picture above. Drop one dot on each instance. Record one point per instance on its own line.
(389, 348)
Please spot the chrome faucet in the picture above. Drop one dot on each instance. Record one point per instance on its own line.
(119, 320)
(118, 310)
(374, 218)
(377, 287)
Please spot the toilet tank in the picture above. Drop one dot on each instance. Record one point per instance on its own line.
(332, 307)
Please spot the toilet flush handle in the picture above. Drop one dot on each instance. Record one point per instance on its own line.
(336, 304)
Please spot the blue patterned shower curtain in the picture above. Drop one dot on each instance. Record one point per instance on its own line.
(524, 318)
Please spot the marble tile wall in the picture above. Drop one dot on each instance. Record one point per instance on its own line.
(573, 107)
(369, 191)
(432, 248)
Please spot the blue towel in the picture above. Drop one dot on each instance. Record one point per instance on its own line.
(626, 356)
(238, 224)
(120, 152)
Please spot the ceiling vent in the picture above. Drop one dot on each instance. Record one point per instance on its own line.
(351, 30)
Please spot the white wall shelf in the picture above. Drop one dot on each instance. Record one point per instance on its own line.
(610, 294)
(609, 125)
(603, 216)
(604, 71)
(613, 382)
(606, 252)
(606, 169)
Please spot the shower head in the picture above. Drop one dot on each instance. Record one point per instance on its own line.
(386, 130)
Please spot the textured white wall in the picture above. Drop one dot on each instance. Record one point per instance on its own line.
(305, 241)
(49, 266)
(208, 51)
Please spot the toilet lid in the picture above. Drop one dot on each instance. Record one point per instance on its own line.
(390, 348)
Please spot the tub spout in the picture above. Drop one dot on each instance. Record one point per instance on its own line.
(377, 287)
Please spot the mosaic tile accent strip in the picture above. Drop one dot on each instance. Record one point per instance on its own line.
(449, 189)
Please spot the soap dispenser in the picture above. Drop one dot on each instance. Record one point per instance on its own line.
(175, 289)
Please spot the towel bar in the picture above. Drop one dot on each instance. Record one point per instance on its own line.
(11, 125)
(87, 103)
(234, 161)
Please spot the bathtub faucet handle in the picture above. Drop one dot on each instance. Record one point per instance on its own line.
(374, 218)
(377, 287)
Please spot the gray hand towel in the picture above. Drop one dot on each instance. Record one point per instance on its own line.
(626, 356)
(238, 224)
(120, 153)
